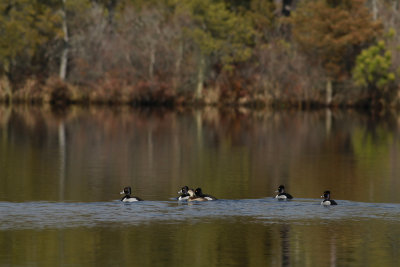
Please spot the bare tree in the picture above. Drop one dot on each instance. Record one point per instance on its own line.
(64, 54)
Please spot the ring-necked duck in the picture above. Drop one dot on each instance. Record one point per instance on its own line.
(199, 193)
(193, 196)
(127, 198)
(327, 199)
(184, 193)
(282, 194)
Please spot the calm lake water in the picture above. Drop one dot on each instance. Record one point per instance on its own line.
(61, 172)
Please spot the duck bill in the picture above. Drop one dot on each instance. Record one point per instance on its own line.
(180, 191)
(122, 192)
(322, 196)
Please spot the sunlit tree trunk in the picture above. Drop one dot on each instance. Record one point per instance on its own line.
(395, 7)
(374, 10)
(200, 78)
(64, 54)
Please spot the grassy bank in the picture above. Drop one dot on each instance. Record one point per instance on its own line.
(56, 92)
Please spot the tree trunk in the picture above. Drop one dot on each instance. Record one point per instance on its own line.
(178, 65)
(329, 92)
(200, 78)
(64, 54)
(395, 7)
(111, 4)
(7, 78)
(5, 81)
(6, 87)
(152, 60)
(374, 10)
(152, 63)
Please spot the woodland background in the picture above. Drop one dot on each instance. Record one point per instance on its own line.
(303, 53)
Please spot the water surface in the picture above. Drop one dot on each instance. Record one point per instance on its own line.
(62, 171)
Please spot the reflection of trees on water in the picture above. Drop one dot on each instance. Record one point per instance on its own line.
(42, 147)
(333, 252)
(5, 113)
(328, 121)
(285, 241)
(255, 150)
(63, 159)
(291, 257)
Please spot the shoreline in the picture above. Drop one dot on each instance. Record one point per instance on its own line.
(59, 93)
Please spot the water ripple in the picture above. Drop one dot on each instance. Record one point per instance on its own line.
(39, 215)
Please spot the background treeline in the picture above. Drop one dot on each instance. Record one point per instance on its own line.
(250, 52)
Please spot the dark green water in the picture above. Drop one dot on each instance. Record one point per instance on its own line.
(61, 174)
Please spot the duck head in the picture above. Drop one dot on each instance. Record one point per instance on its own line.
(281, 189)
(184, 190)
(127, 191)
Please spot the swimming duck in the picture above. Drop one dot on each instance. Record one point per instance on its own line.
(199, 193)
(282, 194)
(193, 196)
(184, 193)
(327, 199)
(127, 198)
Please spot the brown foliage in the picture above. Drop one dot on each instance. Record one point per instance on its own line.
(58, 92)
(30, 91)
(138, 58)
(153, 94)
(332, 33)
(143, 53)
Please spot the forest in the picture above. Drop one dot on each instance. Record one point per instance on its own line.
(256, 53)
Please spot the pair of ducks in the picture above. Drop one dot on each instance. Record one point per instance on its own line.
(326, 202)
(186, 194)
(197, 195)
